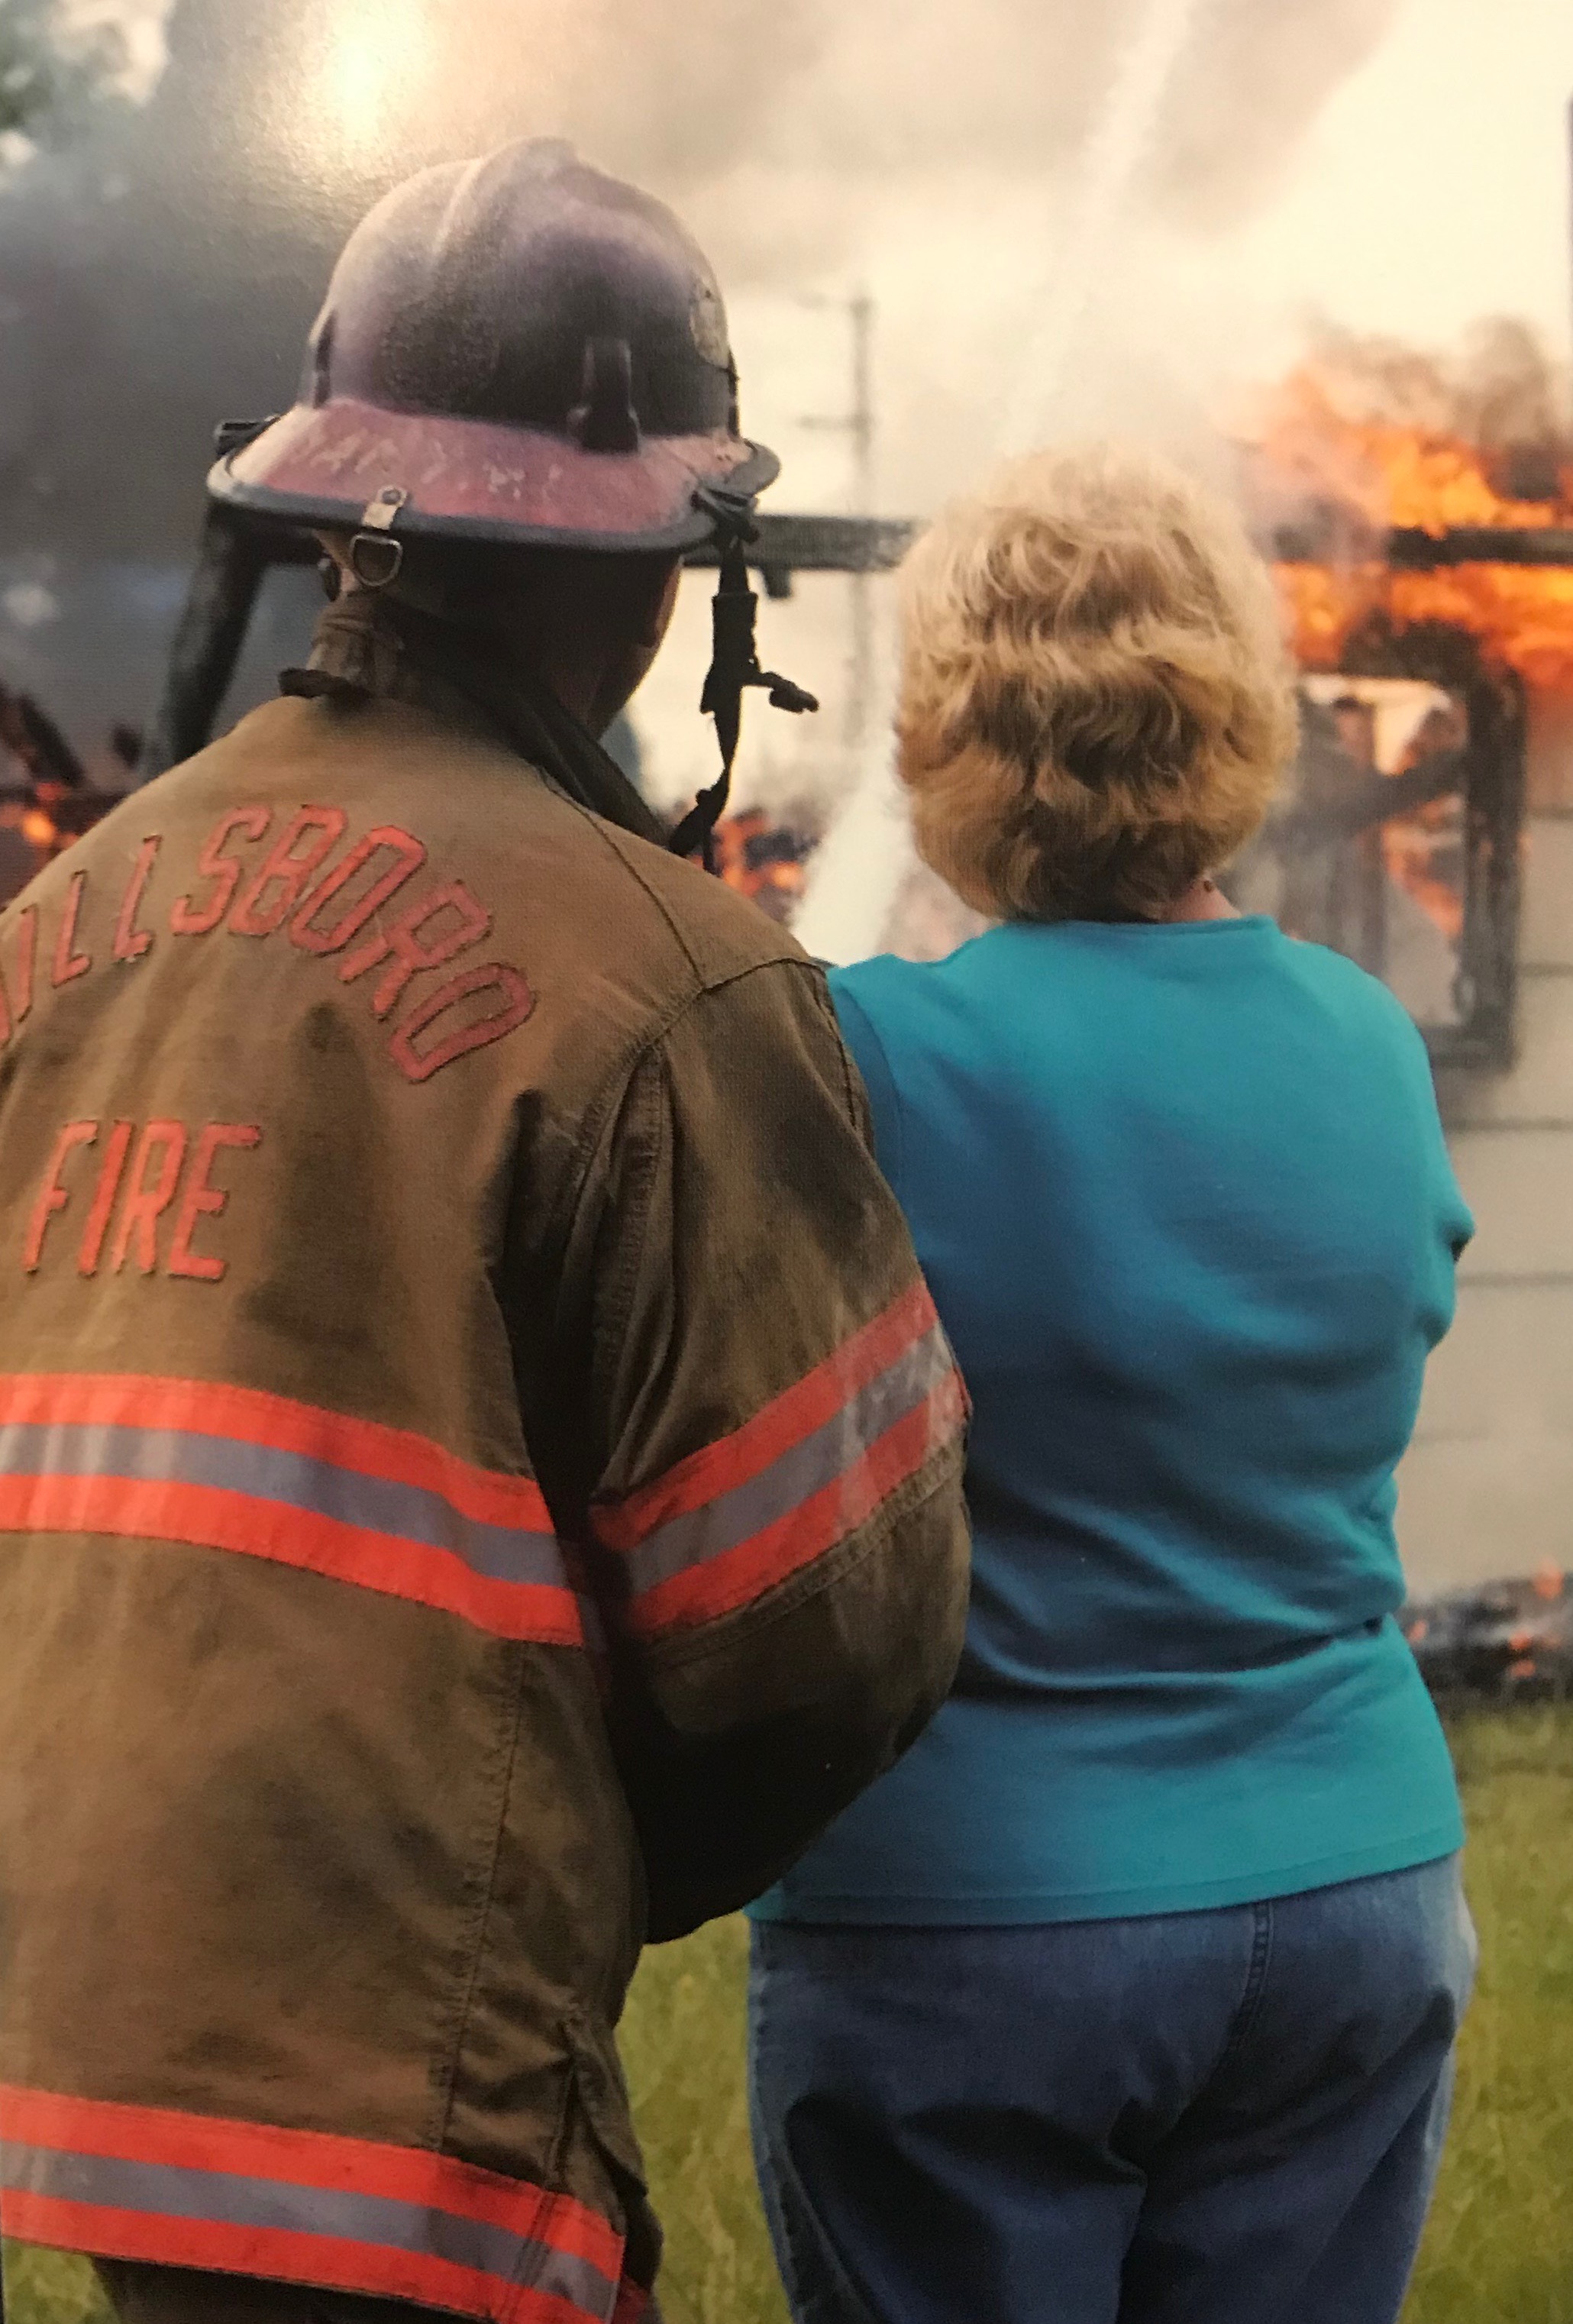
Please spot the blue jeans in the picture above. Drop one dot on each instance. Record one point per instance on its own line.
(1212, 2117)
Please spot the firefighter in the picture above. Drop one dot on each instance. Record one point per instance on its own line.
(481, 1468)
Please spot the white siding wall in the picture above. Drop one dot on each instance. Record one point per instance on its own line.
(1487, 1487)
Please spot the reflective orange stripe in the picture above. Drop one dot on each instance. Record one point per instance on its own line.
(238, 1470)
(305, 2207)
(739, 1516)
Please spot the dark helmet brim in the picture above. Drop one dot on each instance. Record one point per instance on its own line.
(320, 466)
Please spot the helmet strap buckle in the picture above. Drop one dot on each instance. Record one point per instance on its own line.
(375, 559)
(734, 667)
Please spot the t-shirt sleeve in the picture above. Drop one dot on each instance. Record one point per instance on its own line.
(1450, 1218)
(873, 1062)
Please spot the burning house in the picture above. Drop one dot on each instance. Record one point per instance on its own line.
(1423, 541)
(48, 797)
(1427, 576)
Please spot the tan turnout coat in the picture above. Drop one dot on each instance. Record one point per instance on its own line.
(479, 1481)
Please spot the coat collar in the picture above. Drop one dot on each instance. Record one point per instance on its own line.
(368, 647)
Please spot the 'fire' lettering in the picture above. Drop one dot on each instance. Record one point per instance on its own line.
(170, 1171)
(53, 1196)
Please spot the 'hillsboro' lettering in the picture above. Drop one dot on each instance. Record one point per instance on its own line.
(326, 903)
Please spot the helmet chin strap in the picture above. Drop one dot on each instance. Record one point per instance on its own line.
(734, 665)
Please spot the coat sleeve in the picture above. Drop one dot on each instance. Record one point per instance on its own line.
(778, 1539)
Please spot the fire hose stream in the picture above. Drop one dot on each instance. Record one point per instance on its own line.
(859, 868)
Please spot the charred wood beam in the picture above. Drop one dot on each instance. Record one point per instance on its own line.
(1409, 549)
(790, 544)
(235, 553)
(1375, 798)
(33, 737)
(232, 559)
(1480, 544)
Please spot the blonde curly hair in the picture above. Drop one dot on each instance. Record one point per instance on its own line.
(1096, 699)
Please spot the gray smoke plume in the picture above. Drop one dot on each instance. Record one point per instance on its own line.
(1497, 389)
(162, 257)
(1498, 395)
(162, 272)
(774, 120)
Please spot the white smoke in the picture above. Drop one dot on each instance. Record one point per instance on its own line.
(1120, 143)
(59, 58)
(860, 879)
(123, 44)
(859, 868)
(780, 128)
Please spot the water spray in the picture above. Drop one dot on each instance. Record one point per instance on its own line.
(1111, 159)
(858, 871)
(860, 866)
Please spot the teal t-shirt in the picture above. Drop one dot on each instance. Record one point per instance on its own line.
(1183, 1201)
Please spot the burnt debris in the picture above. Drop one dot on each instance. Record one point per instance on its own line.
(1507, 1642)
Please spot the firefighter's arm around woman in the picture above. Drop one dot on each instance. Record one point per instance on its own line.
(775, 1531)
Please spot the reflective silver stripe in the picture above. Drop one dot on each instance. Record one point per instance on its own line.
(162, 2190)
(291, 1479)
(796, 1475)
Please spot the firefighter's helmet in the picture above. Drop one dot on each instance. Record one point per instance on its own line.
(514, 350)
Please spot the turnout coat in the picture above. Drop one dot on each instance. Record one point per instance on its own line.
(478, 1486)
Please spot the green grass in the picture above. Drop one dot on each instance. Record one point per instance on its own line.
(683, 2044)
(1499, 2249)
(1499, 2245)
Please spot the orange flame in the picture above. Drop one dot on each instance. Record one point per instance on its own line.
(1380, 474)
(775, 883)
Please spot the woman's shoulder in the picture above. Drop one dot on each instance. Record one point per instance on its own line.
(880, 991)
(1361, 1002)
(889, 982)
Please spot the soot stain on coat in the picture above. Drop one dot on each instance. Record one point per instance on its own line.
(336, 1263)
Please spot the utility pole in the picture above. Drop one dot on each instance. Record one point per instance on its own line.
(857, 423)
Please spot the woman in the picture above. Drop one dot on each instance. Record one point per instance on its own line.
(1131, 1993)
